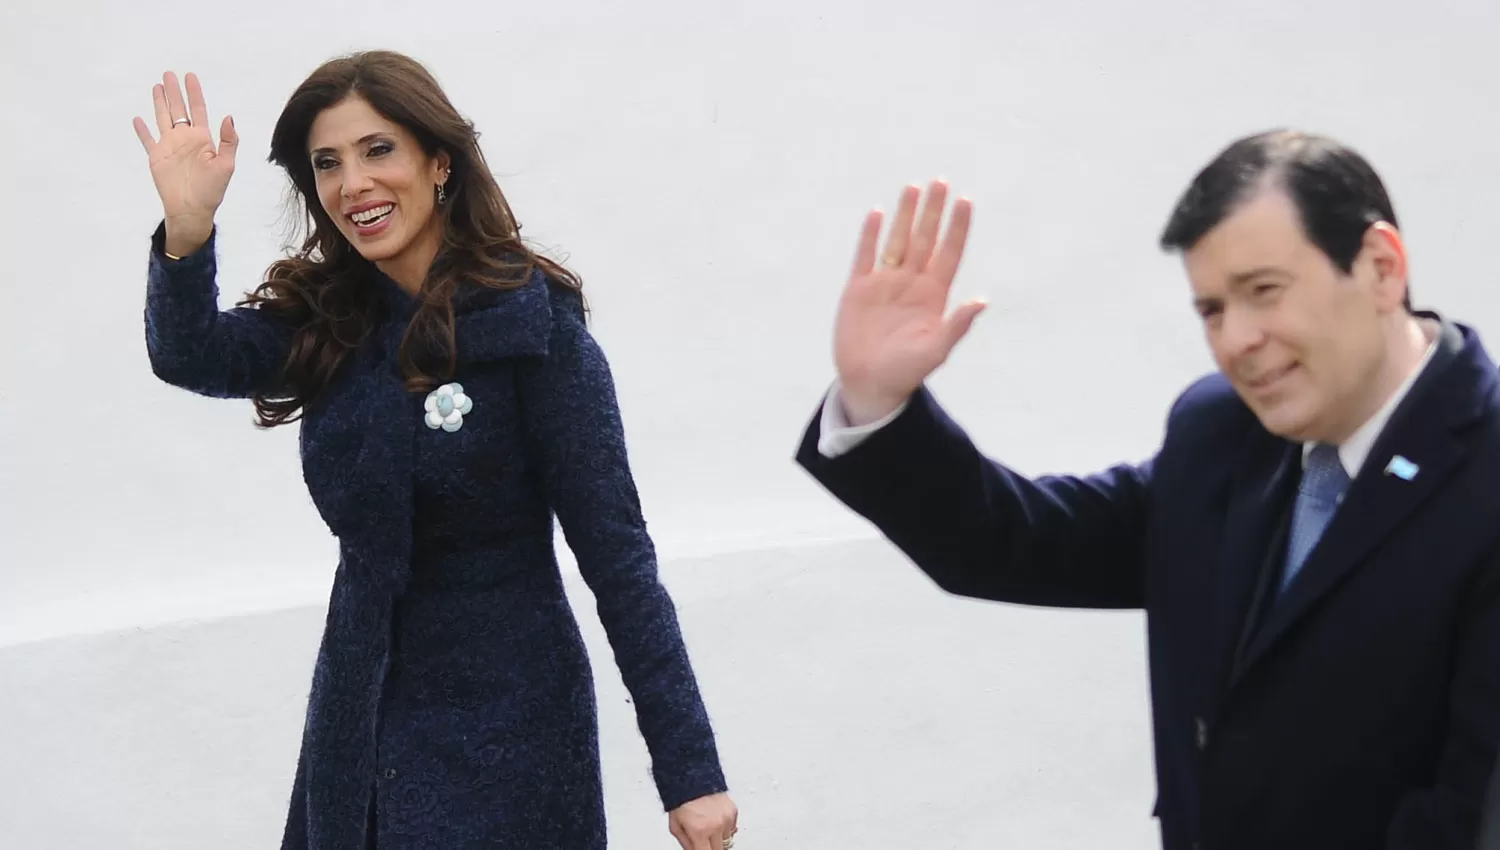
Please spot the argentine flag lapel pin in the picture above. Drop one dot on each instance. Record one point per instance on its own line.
(1401, 468)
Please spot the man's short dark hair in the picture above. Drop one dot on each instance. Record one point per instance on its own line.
(1336, 192)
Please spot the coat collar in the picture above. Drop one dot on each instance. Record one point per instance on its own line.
(489, 324)
(1457, 386)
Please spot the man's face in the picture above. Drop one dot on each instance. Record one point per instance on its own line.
(1301, 342)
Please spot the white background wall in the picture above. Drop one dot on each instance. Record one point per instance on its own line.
(705, 167)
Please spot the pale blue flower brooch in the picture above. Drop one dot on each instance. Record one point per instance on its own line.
(446, 407)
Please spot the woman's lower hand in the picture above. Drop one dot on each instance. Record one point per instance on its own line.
(707, 823)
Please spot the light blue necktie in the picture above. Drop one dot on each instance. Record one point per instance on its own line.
(1323, 484)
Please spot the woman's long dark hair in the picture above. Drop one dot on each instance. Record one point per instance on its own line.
(324, 288)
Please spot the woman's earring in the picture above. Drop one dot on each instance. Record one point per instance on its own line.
(442, 195)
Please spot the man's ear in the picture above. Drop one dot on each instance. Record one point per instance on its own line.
(1385, 250)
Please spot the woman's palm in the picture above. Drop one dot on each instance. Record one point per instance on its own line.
(191, 174)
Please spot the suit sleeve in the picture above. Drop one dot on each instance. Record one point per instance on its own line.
(194, 345)
(1447, 814)
(981, 530)
(574, 428)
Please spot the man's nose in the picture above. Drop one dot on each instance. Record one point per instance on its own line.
(1241, 332)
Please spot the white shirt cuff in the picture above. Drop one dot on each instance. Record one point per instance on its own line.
(835, 435)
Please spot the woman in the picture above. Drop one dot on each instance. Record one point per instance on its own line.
(451, 400)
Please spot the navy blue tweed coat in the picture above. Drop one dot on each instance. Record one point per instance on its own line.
(452, 702)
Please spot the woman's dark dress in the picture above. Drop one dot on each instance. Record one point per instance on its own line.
(452, 695)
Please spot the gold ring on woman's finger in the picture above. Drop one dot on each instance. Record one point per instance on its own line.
(890, 262)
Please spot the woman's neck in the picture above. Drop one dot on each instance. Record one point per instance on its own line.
(410, 267)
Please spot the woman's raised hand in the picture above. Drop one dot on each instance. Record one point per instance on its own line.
(190, 173)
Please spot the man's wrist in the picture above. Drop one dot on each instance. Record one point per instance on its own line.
(860, 410)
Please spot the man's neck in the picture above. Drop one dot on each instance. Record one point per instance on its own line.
(1416, 338)
(1408, 349)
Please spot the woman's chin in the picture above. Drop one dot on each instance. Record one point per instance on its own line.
(375, 250)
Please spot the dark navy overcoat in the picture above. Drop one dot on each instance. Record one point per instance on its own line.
(452, 701)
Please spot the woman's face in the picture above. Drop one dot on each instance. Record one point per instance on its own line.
(377, 184)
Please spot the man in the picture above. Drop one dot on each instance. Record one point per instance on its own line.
(1316, 543)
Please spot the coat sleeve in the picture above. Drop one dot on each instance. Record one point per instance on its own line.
(980, 530)
(194, 345)
(1446, 815)
(574, 430)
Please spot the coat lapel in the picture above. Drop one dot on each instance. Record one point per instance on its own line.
(1378, 503)
(1264, 484)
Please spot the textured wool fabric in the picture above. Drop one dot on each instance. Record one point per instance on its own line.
(452, 691)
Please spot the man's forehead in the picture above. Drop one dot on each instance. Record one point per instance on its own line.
(1264, 231)
(1269, 215)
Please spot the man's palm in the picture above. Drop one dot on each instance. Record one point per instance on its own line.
(891, 332)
